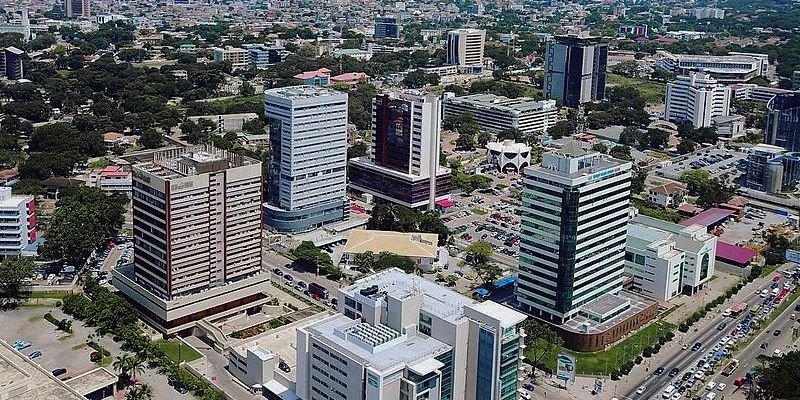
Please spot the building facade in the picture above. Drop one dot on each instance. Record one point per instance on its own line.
(497, 113)
(465, 48)
(77, 8)
(666, 259)
(783, 122)
(11, 63)
(575, 70)
(196, 235)
(772, 169)
(572, 236)
(260, 56)
(508, 156)
(387, 28)
(17, 222)
(733, 68)
(400, 336)
(761, 94)
(238, 57)
(308, 167)
(696, 98)
(403, 165)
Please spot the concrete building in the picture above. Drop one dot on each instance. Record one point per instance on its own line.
(11, 63)
(575, 70)
(783, 122)
(668, 195)
(320, 77)
(572, 236)
(709, 13)
(238, 57)
(508, 156)
(761, 94)
(17, 222)
(696, 98)
(226, 122)
(729, 126)
(465, 48)
(733, 68)
(497, 113)
(422, 248)
(387, 28)
(19, 23)
(252, 365)
(77, 8)
(197, 237)
(260, 56)
(666, 259)
(112, 180)
(403, 165)
(772, 169)
(401, 336)
(308, 168)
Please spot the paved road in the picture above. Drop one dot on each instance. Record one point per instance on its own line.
(707, 334)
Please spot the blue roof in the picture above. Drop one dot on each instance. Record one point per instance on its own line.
(481, 292)
(505, 282)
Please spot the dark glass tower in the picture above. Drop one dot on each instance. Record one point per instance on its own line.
(576, 70)
(783, 121)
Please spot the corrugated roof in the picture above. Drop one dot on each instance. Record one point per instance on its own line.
(708, 217)
(735, 254)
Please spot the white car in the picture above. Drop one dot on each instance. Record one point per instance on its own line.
(711, 396)
(525, 395)
(710, 385)
(721, 386)
(640, 390)
(676, 396)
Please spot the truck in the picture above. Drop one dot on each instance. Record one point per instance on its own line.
(318, 290)
(731, 367)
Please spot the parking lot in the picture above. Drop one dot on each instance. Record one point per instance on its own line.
(717, 162)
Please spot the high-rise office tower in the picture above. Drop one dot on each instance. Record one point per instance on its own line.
(77, 8)
(574, 220)
(197, 236)
(696, 99)
(308, 162)
(575, 70)
(403, 165)
(783, 121)
(465, 48)
(387, 28)
(11, 63)
(401, 336)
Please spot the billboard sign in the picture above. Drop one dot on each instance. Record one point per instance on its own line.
(565, 367)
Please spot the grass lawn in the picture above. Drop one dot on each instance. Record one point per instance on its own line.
(171, 349)
(49, 295)
(479, 211)
(603, 362)
(653, 92)
(255, 99)
(79, 346)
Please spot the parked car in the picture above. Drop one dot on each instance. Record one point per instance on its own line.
(36, 354)
(59, 371)
(283, 366)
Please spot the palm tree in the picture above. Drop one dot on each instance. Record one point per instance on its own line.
(122, 364)
(140, 392)
(136, 366)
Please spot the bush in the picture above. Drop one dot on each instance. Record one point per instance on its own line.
(670, 335)
(615, 376)
(683, 327)
(638, 360)
(100, 349)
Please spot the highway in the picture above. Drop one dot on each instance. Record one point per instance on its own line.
(704, 331)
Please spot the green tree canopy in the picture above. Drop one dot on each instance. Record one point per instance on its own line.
(14, 271)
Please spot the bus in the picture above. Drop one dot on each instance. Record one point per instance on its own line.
(754, 310)
(318, 290)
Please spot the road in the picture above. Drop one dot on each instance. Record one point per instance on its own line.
(704, 332)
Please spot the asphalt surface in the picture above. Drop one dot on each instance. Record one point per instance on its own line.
(709, 336)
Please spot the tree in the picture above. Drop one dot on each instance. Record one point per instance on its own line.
(512, 134)
(561, 129)
(254, 126)
(466, 141)
(541, 342)
(777, 244)
(621, 153)
(629, 68)
(600, 148)
(686, 146)
(695, 180)
(151, 139)
(389, 260)
(488, 272)
(122, 364)
(637, 183)
(14, 271)
(140, 392)
(715, 192)
(247, 89)
(483, 138)
(779, 376)
(359, 149)
(365, 261)
(136, 366)
(629, 136)
(310, 256)
(479, 253)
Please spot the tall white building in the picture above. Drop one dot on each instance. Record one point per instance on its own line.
(465, 48)
(197, 236)
(400, 336)
(668, 259)
(17, 222)
(572, 237)
(308, 163)
(403, 165)
(696, 98)
(497, 113)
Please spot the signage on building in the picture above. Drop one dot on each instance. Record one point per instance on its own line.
(565, 367)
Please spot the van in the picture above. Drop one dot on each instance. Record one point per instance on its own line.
(668, 391)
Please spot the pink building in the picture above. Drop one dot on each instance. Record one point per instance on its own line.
(351, 78)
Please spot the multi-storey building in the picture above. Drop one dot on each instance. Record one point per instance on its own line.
(77, 8)
(575, 70)
(197, 237)
(733, 68)
(772, 169)
(260, 56)
(709, 13)
(308, 164)
(572, 237)
(403, 165)
(400, 336)
(238, 57)
(750, 91)
(497, 113)
(112, 179)
(465, 48)
(11, 63)
(387, 28)
(666, 259)
(783, 122)
(696, 98)
(17, 222)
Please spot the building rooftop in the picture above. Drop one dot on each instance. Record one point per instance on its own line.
(708, 217)
(322, 72)
(438, 300)
(519, 105)
(23, 379)
(181, 162)
(302, 92)
(374, 345)
(670, 187)
(400, 243)
(93, 380)
(508, 317)
(731, 253)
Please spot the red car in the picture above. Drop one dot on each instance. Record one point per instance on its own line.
(776, 278)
